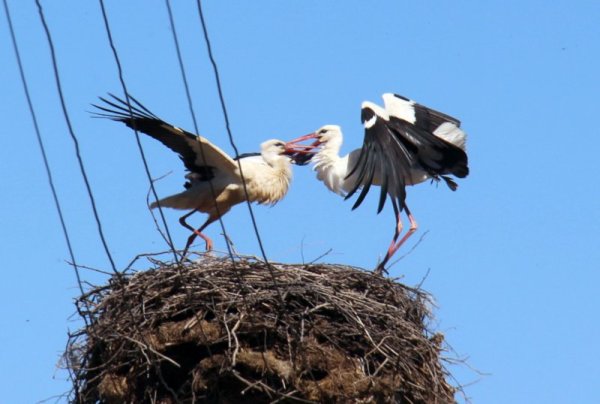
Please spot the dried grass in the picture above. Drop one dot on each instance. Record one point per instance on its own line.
(213, 331)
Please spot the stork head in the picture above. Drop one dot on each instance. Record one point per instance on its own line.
(328, 136)
(276, 149)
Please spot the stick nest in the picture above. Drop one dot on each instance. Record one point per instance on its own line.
(224, 332)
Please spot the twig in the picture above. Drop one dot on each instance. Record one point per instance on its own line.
(155, 352)
(326, 253)
(237, 342)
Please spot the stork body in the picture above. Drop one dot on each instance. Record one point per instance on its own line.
(215, 181)
(267, 178)
(405, 143)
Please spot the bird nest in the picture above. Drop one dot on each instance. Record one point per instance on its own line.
(234, 332)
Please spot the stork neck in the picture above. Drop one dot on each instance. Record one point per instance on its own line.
(270, 185)
(329, 154)
(331, 168)
(277, 161)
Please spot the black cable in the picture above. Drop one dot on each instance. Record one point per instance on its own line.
(75, 141)
(147, 170)
(231, 141)
(137, 135)
(227, 126)
(43, 151)
(190, 104)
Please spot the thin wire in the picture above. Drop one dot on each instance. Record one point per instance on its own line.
(190, 104)
(202, 155)
(169, 240)
(43, 151)
(228, 127)
(231, 141)
(137, 135)
(75, 141)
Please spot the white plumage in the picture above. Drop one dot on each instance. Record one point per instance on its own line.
(405, 143)
(215, 181)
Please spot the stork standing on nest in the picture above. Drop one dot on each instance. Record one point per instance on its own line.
(405, 143)
(214, 182)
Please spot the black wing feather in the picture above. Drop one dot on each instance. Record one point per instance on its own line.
(436, 155)
(427, 118)
(383, 155)
(368, 169)
(142, 119)
(392, 147)
(383, 167)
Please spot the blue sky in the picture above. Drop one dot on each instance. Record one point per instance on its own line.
(511, 257)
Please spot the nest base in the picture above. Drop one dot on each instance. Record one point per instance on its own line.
(217, 331)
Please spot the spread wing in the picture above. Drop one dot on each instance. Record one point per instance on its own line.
(383, 157)
(197, 153)
(435, 137)
(402, 138)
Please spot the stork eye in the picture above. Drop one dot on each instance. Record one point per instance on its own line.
(279, 144)
(322, 131)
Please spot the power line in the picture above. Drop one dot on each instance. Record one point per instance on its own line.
(231, 141)
(74, 138)
(137, 135)
(43, 152)
(144, 160)
(228, 127)
(190, 104)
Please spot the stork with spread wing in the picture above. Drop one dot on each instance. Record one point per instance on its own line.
(215, 182)
(405, 143)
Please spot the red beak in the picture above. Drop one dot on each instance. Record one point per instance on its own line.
(303, 138)
(293, 145)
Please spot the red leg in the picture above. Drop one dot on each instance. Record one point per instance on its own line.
(391, 249)
(411, 230)
(397, 232)
(395, 246)
(196, 232)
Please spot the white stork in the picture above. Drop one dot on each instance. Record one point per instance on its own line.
(405, 143)
(267, 174)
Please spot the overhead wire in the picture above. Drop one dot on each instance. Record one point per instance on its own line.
(137, 135)
(76, 143)
(43, 152)
(228, 126)
(74, 138)
(239, 273)
(202, 154)
(229, 132)
(232, 142)
(195, 122)
(148, 174)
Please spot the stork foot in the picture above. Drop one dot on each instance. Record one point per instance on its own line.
(208, 241)
(395, 245)
(188, 245)
(380, 269)
(192, 237)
